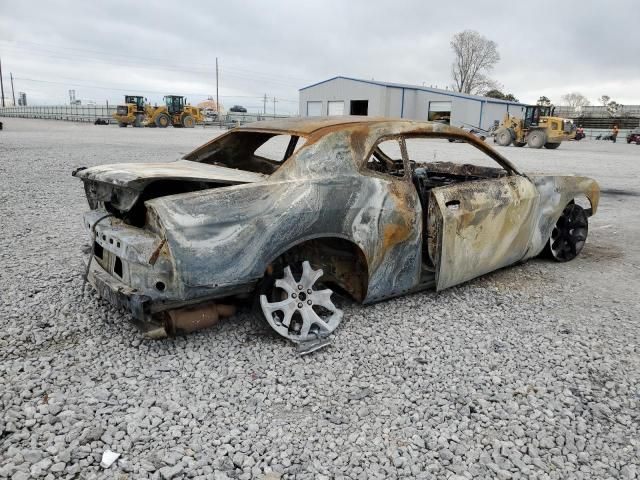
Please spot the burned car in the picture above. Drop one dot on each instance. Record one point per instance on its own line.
(291, 212)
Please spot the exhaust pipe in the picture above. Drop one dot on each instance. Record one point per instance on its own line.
(191, 319)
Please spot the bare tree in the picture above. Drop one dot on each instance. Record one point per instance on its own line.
(544, 102)
(475, 56)
(613, 108)
(575, 100)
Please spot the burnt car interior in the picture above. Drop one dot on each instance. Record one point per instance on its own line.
(246, 151)
(387, 158)
(426, 175)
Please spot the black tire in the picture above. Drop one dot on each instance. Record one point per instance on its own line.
(519, 144)
(163, 120)
(138, 121)
(122, 125)
(551, 146)
(569, 234)
(188, 121)
(536, 139)
(504, 137)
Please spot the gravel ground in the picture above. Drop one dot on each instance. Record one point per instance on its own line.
(529, 372)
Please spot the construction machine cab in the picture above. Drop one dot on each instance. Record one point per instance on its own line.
(136, 100)
(175, 104)
(533, 113)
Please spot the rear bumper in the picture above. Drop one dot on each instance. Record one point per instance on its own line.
(145, 309)
(119, 294)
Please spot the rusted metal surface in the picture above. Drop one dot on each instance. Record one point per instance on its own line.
(191, 319)
(368, 226)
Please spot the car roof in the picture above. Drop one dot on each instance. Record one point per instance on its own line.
(308, 125)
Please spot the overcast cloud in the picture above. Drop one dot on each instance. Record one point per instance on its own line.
(108, 48)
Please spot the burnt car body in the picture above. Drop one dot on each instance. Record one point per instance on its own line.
(224, 221)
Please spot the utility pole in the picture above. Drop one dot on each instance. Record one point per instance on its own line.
(1, 85)
(12, 92)
(217, 99)
(264, 105)
(274, 106)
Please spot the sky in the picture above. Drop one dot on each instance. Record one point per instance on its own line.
(104, 50)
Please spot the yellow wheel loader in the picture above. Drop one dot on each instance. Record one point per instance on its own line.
(176, 112)
(133, 112)
(539, 128)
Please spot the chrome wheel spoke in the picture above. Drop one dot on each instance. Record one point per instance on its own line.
(295, 317)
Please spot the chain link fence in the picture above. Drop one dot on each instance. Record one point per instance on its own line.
(91, 113)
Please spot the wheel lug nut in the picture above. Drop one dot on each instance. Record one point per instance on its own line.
(300, 305)
(309, 291)
(300, 287)
(293, 295)
(309, 302)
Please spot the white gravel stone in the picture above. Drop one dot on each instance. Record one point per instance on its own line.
(529, 371)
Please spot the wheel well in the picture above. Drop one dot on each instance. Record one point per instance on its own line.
(343, 262)
(583, 201)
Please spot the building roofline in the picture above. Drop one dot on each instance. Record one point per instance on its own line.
(439, 91)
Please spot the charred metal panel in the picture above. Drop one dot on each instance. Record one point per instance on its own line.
(486, 225)
(556, 192)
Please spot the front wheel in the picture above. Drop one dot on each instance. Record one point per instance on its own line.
(536, 139)
(163, 120)
(569, 235)
(188, 121)
(292, 303)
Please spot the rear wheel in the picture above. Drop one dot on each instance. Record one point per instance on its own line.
(188, 121)
(163, 120)
(551, 146)
(569, 235)
(536, 139)
(295, 304)
(503, 137)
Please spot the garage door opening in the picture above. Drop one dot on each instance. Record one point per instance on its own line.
(314, 109)
(359, 107)
(440, 112)
(335, 108)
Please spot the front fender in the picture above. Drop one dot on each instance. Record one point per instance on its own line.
(555, 193)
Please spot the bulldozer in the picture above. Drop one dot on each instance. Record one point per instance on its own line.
(133, 112)
(176, 112)
(539, 128)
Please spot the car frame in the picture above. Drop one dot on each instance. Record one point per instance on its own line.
(322, 221)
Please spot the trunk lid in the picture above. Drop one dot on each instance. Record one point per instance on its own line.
(137, 175)
(123, 188)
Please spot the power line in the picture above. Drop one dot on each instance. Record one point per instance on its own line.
(169, 65)
(100, 87)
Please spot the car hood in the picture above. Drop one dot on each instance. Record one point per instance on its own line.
(137, 175)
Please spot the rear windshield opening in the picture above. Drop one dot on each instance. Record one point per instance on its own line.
(260, 152)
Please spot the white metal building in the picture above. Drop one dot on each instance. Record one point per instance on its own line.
(352, 96)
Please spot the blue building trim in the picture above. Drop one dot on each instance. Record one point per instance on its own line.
(418, 88)
(402, 105)
(481, 107)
